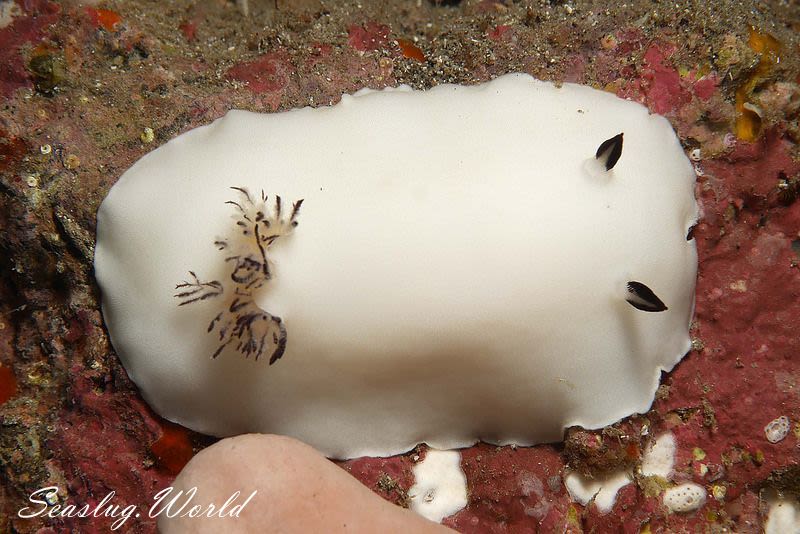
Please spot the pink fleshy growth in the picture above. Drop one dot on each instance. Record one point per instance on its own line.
(372, 36)
(28, 27)
(663, 85)
(269, 74)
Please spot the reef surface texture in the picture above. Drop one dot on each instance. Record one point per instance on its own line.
(88, 88)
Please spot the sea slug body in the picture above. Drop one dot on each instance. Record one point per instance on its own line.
(493, 262)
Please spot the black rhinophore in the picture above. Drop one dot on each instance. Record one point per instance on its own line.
(609, 151)
(642, 298)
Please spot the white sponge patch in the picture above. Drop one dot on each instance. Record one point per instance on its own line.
(603, 489)
(440, 487)
(659, 459)
(783, 517)
(777, 429)
(685, 497)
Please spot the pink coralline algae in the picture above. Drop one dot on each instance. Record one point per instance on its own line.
(389, 477)
(663, 87)
(519, 489)
(369, 37)
(102, 446)
(706, 86)
(660, 84)
(499, 33)
(267, 76)
(25, 29)
(742, 373)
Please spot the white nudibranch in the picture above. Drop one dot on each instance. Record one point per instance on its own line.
(472, 263)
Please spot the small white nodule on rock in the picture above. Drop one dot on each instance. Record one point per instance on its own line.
(603, 489)
(685, 497)
(440, 487)
(8, 11)
(777, 429)
(783, 516)
(659, 458)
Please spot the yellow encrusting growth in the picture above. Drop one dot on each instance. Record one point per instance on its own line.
(748, 117)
